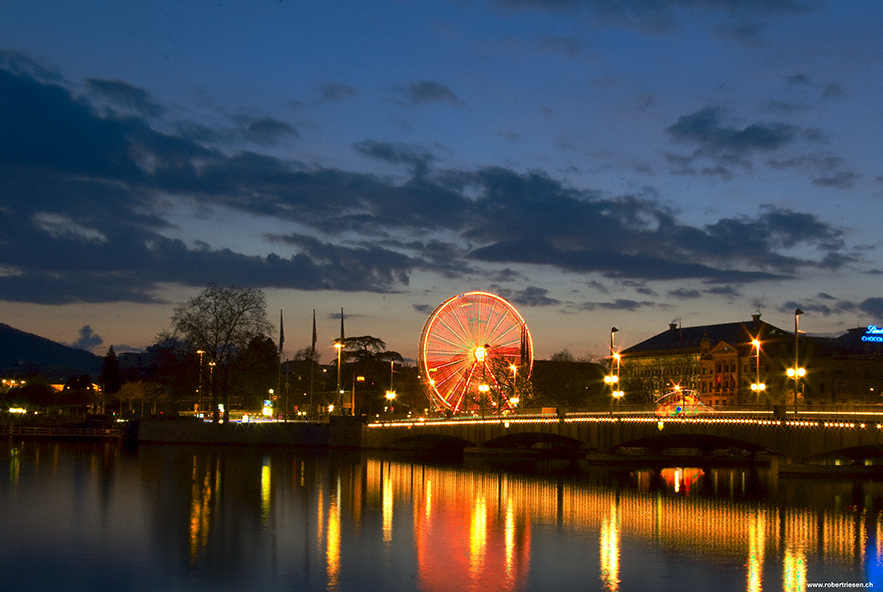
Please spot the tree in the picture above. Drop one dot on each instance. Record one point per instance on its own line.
(110, 376)
(221, 322)
(255, 371)
(141, 392)
(367, 356)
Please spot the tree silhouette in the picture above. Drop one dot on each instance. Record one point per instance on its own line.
(221, 322)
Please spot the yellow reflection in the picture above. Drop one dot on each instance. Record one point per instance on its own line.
(756, 548)
(387, 508)
(794, 571)
(477, 537)
(265, 490)
(428, 500)
(510, 540)
(204, 491)
(14, 464)
(332, 552)
(610, 525)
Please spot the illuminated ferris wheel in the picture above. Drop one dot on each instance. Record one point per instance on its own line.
(475, 350)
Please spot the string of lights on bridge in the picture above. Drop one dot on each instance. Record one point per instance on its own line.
(547, 419)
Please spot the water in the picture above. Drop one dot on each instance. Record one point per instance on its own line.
(89, 517)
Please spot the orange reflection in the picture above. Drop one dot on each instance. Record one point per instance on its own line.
(681, 480)
(204, 493)
(756, 550)
(610, 549)
(470, 532)
(332, 552)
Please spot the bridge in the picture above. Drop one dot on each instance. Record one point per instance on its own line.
(854, 437)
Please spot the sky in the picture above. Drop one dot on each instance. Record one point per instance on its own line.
(597, 164)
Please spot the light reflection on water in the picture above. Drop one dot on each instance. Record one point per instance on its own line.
(89, 517)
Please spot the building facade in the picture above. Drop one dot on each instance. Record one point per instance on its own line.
(721, 362)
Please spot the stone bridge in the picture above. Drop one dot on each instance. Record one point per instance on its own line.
(849, 437)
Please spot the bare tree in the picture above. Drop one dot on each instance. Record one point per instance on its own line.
(221, 322)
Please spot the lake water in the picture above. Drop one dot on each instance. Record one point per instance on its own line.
(91, 517)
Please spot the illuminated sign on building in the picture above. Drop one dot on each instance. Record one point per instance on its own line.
(874, 333)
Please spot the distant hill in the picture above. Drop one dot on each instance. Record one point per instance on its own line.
(23, 354)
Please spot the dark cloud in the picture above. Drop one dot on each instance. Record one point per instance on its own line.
(425, 308)
(20, 64)
(88, 339)
(685, 294)
(396, 153)
(662, 15)
(428, 91)
(618, 304)
(835, 172)
(82, 198)
(840, 180)
(530, 296)
(705, 129)
(335, 91)
(785, 107)
(744, 33)
(872, 307)
(266, 130)
(125, 95)
(833, 91)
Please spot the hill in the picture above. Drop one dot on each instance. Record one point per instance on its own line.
(24, 354)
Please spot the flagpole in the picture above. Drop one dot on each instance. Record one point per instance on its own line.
(312, 362)
(279, 380)
(339, 359)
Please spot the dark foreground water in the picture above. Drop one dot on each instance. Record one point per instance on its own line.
(91, 517)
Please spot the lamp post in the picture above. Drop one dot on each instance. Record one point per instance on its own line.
(798, 371)
(211, 386)
(339, 346)
(613, 378)
(758, 387)
(390, 397)
(199, 388)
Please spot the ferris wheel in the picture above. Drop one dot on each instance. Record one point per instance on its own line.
(475, 350)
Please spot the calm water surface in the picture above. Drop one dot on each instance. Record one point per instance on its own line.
(91, 517)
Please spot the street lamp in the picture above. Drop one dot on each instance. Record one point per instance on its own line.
(390, 397)
(211, 386)
(613, 379)
(796, 373)
(339, 346)
(758, 387)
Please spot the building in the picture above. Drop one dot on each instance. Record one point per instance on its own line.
(718, 362)
(721, 362)
(847, 370)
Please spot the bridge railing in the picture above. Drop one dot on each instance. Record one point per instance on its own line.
(820, 412)
(58, 432)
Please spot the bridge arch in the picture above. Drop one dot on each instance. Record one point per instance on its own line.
(854, 455)
(522, 440)
(705, 443)
(430, 443)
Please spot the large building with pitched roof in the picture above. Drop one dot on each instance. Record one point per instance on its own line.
(721, 362)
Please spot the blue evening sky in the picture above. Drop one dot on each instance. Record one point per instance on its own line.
(597, 163)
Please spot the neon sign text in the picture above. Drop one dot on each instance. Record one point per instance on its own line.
(873, 333)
